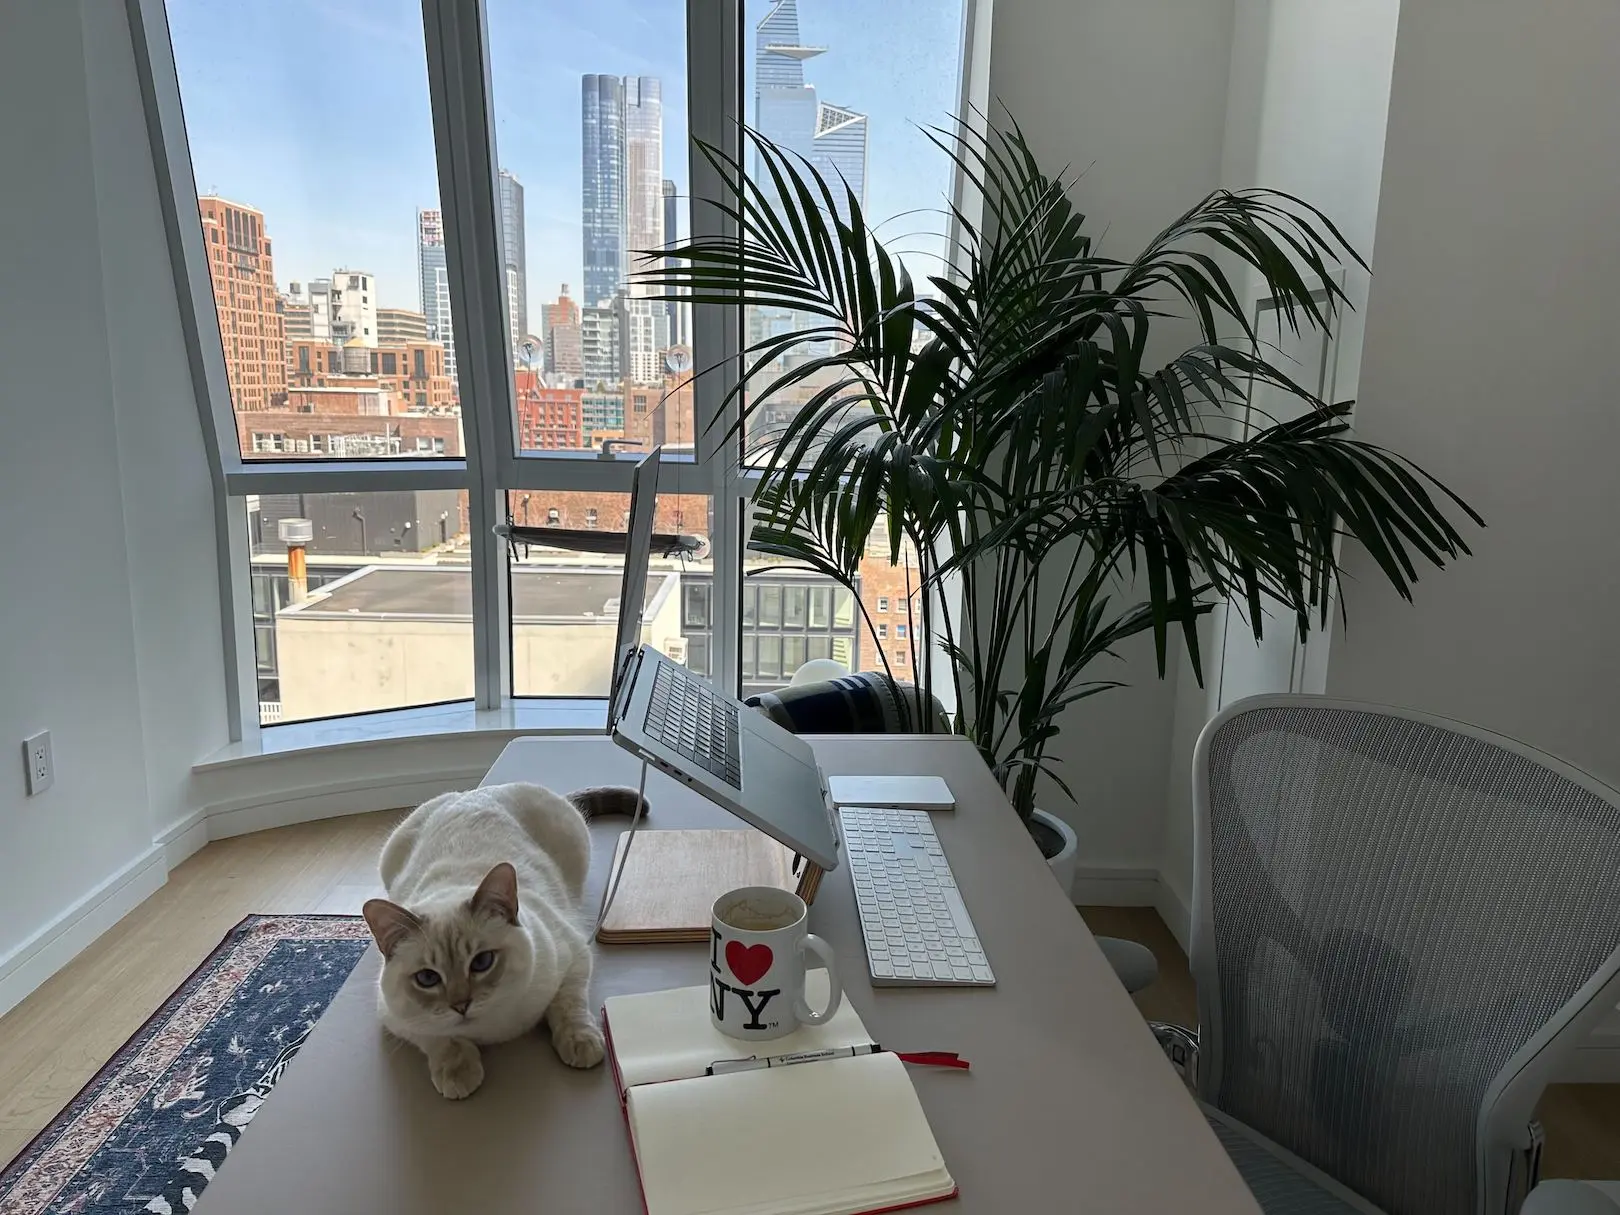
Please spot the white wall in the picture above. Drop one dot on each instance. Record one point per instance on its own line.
(1490, 338)
(1131, 95)
(1306, 114)
(109, 619)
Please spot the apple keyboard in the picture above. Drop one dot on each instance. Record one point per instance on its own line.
(916, 926)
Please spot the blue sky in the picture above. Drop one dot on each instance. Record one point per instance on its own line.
(316, 112)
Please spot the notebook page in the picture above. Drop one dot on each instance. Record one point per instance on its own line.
(830, 1138)
(667, 1035)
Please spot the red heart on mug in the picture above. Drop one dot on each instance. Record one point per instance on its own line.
(748, 962)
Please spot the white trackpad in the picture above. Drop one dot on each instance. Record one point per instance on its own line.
(896, 792)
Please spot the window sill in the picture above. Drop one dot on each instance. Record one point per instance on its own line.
(560, 716)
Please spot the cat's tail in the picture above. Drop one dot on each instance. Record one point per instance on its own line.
(605, 799)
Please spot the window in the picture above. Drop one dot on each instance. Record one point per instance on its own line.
(794, 601)
(883, 631)
(337, 324)
(566, 603)
(842, 103)
(278, 174)
(883, 603)
(697, 605)
(899, 658)
(386, 600)
(900, 631)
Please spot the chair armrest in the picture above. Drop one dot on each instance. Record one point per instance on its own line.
(1180, 1046)
(1573, 1198)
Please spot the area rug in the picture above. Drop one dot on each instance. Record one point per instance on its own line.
(154, 1125)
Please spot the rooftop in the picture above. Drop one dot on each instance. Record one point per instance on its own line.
(444, 592)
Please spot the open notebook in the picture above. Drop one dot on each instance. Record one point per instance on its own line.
(834, 1137)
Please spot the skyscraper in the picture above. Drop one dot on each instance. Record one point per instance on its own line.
(514, 257)
(643, 171)
(250, 323)
(788, 112)
(680, 312)
(602, 195)
(434, 283)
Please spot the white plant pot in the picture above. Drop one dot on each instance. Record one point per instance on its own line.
(1063, 864)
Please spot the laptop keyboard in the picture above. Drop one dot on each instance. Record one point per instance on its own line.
(687, 716)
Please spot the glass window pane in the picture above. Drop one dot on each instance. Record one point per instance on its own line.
(326, 254)
(378, 608)
(842, 650)
(794, 599)
(843, 608)
(750, 608)
(697, 604)
(697, 653)
(770, 655)
(749, 660)
(852, 88)
(592, 172)
(819, 647)
(770, 606)
(566, 602)
(792, 655)
(820, 597)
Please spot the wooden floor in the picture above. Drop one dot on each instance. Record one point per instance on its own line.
(55, 1040)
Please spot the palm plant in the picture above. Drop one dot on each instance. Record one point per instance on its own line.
(1007, 433)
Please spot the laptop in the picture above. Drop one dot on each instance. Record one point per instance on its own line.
(713, 743)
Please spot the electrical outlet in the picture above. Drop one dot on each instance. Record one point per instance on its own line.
(41, 768)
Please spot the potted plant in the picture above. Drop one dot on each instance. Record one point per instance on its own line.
(1004, 431)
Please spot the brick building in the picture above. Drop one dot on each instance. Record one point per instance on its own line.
(413, 373)
(250, 326)
(283, 432)
(560, 332)
(549, 419)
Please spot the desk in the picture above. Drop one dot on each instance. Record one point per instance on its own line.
(1070, 1105)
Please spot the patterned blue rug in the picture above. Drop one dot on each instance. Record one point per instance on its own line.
(153, 1126)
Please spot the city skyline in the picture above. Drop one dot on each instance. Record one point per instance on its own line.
(331, 201)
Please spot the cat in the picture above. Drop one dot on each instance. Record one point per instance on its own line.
(483, 932)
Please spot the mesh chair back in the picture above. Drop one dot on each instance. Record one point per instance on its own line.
(1388, 909)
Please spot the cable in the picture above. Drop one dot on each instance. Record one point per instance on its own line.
(635, 821)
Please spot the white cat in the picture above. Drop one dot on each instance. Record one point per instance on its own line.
(484, 931)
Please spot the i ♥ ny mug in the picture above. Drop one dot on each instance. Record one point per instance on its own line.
(758, 948)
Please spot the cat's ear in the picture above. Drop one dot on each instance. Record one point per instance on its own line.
(497, 894)
(389, 923)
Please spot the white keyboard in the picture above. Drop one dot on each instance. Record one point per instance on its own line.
(916, 926)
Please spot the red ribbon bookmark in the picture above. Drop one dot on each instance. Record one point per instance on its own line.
(935, 1058)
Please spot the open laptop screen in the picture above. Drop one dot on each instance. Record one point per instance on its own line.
(637, 547)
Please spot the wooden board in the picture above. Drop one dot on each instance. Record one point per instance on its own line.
(674, 877)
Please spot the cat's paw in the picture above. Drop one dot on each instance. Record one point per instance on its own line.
(457, 1069)
(578, 1043)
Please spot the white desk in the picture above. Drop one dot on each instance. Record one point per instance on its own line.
(1070, 1106)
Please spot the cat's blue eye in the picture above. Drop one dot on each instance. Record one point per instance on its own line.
(482, 961)
(426, 978)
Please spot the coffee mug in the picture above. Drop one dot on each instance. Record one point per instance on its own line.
(757, 953)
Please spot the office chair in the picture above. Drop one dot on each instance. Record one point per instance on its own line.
(1401, 926)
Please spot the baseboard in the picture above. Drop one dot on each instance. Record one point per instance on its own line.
(333, 801)
(1109, 886)
(69, 934)
(182, 837)
(1174, 909)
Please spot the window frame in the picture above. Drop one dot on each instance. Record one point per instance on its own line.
(494, 463)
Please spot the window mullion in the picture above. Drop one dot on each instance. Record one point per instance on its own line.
(464, 137)
(714, 87)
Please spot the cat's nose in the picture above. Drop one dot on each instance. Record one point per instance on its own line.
(461, 1006)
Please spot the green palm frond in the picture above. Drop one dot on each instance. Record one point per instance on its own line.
(1004, 424)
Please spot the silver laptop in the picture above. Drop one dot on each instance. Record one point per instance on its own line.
(682, 725)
